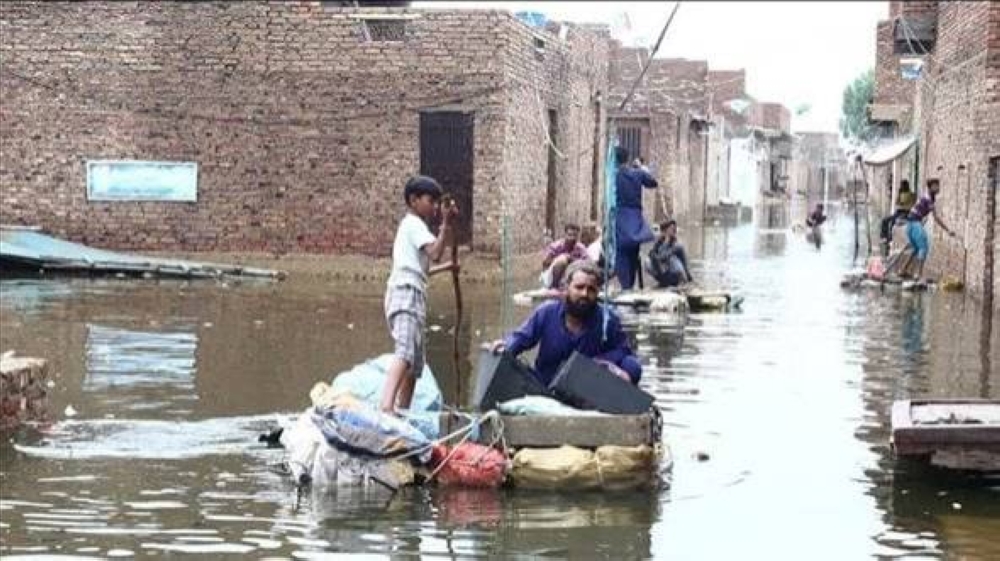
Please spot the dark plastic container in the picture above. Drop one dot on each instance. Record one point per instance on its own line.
(501, 378)
(584, 384)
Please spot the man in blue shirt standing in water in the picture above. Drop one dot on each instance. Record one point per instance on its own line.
(631, 228)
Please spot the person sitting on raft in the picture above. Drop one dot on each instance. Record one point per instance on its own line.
(668, 262)
(576, 322)
(559, 254)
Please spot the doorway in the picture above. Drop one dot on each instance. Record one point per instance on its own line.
(446, 154)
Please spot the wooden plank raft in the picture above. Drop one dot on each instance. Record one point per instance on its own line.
(582, 431)
(656, 299)
(926, 426)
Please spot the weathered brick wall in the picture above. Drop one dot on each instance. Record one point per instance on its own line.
(304, 132)
(625, 66)
(890, 87)
(960, 133)
(680, 87)
(769, 115)
(725, 86)
(23, 396)
(813, 152)
(915, 8)
(989, 121)
(565, 78)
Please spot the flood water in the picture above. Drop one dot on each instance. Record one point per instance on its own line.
(777, 416)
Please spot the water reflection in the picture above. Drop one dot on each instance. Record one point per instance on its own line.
(132, 372)
(777, 418)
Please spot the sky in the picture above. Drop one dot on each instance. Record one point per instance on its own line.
(794, 53)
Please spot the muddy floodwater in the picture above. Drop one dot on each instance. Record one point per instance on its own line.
(777, 416)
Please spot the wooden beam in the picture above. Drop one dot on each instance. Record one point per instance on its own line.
(583, 431)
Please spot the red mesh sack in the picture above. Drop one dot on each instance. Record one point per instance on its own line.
(469, 465)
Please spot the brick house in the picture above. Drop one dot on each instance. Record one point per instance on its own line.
(666, 123)
(953, 108)
(304, 120)
(818, 164)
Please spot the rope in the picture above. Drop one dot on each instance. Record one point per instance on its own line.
(492, 415)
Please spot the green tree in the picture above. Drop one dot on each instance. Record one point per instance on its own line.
(854, 111)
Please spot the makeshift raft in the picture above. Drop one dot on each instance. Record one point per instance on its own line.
(860, 281)
(26, 248)
(948, 430)
(566, 449)
(658, 300)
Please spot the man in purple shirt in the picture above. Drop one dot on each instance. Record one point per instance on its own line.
(574, 323)
(559, 254)
(916, 235)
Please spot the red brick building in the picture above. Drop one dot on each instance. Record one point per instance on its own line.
(304, 119)
(954, 111)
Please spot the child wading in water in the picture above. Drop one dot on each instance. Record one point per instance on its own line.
(406, 291)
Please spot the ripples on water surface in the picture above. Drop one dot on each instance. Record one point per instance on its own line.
(777, 416)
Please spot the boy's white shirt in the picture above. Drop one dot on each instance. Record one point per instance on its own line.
(410, 263)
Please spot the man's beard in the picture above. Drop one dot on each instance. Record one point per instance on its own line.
(581, 309)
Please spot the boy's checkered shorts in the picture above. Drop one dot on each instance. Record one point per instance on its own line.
(405, 312)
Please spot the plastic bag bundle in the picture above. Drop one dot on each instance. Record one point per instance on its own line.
(365, 382)
(313, 461)
(540, 405)
(302, 440)
(470, 465)
(362, 431)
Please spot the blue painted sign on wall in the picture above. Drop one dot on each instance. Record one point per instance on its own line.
(131, 180)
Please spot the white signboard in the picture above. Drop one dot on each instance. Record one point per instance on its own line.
(130, 180)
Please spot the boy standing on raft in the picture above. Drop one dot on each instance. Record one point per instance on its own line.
(406, 290)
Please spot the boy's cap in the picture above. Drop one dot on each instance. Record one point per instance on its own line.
(420, 185)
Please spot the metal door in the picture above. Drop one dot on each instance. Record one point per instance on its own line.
(446, 153)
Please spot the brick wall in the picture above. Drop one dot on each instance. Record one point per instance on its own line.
(890, 87)
(680, 87)
(565, 79)
(23, 397)
(304, 132)
(960, 132)
(773, 116)
(724, 86)
(915, 9)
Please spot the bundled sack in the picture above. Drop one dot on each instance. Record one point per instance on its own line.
(312, 461)
(357, 428)
(576, 468)
(469, 465)
(365, 382)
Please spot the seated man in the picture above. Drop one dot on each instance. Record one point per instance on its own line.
(574, 323)
(590, 237)
(560, 254)
(667, 260)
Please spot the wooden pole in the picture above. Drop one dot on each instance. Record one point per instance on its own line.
(456, 353)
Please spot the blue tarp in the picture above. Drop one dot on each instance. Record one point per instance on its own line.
(365, 382)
